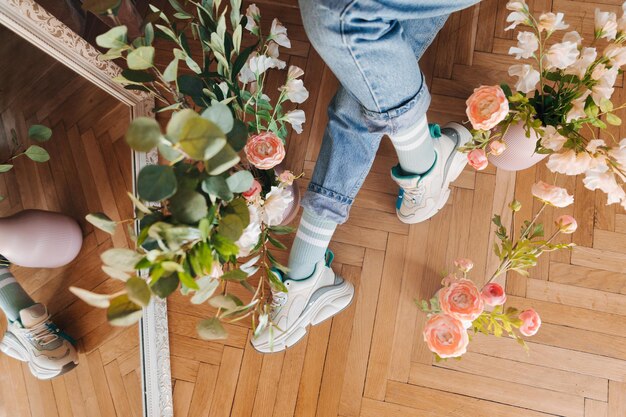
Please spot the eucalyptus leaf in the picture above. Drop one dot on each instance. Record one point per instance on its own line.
(114, 38)
(37, 153)
(177, 122)
(138, 291)
(225, 301)
(141, 58)
(102, 222)
(231, 227)
(5, 167)
(143, 134)
(223, 161)
(188, 206)
(169, 152)
(115, 273)
(193, 65)
(201, 139)
(239, 207)
(91, 298)
(156, 182)
(121, 258)
(100, 6)
(207, 285)
(171, 71)
(235, 275)
(211, 329)
(138, 204)
(217, 187)
(40, 133)
(240, 181)
(221, 115)
(148, 31)
(123, 312)
(238, 136)
(165, 286)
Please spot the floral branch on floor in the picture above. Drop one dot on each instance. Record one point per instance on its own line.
(460, 309)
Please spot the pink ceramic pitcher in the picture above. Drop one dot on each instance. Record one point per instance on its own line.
(40, 239)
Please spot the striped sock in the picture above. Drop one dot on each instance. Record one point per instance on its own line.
(309, 247)
(13, 298)
(415, 148)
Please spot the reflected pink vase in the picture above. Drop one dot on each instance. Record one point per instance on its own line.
(520, 150)
(40, 239)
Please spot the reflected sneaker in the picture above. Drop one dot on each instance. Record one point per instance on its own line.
(308, 302)
(36, 340)
(422, 196)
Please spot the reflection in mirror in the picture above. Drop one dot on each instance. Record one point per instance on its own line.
(83, 166)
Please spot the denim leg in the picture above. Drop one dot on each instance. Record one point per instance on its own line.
(372, 46)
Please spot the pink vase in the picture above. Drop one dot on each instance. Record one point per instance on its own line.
(520, 150)
(40, 239)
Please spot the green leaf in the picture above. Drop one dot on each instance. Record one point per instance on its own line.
(171, 71)
(217, 187)
(193, 65)
(138, 204)
(177, 122)
(39, 133)
(148, 31)
(221, 115)
(224, 246)
(123, 312)
(239, 207)
(143, 134)
(231, 227)
(225, 301)
(114, 38)
(201, 139)
(190, 85)
(165, 286)
(223, 161)
(207, 285)
(612, 119)
(282, 230)
(5, 167)
(605, 105)
(121, 258)
(238, 136)
(37, 153)
(138, 76)
(275, 282)
(92, 298)
(115, 273)
(240, 181)
(141, 58)
(211, 329)
(156, 182)
(188, 206)
(138, 291)
(102, 222)
(235, 275)
(275, 242)
(188, 281)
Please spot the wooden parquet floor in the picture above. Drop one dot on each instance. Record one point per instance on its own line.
(89, 170)
(371, 361)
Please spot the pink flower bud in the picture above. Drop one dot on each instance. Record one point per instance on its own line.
(464, 264)
(477, 159)
(493, 294)
(566, 224)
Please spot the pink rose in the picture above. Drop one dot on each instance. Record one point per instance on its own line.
(461, 300)
(531, 322)
(464, 264)
(265, 151)
(496, 147)
(493, 294)
(286, 177)
(445, 336)
(487, 107)
(551, 194)
(566, 224)
(449, 279)
(478, 159)
(253, 192)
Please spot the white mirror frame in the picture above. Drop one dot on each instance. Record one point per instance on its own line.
(33, 23)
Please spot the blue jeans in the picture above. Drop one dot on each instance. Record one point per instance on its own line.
(372, 47)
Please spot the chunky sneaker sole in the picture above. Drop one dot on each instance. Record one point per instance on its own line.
(454, 166)
(12, 347)
(323, 304)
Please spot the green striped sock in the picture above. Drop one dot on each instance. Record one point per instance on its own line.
(13, 298)
(309, 247)
(415, 148)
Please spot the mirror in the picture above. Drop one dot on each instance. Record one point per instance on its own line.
(51, 76)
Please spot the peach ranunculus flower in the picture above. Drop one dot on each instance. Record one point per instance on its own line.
(445, 336)
(496, 147)
(566, 224)
(530, 322)
(487, 107)
(265, 150)
(478, 159)
(551, 194)
(253, 192)
(461, 300)
(464, 264)
(493, 294)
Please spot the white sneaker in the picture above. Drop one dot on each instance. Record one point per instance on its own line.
(36, 340)
(422, 196)
(308, 302)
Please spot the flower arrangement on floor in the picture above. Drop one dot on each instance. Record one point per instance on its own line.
(460, 309)
(206, 209)
(562, 94)
(38, 133)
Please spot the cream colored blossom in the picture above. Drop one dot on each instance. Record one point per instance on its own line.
(295, 90)
(578, 108)
(551, 22)
(616, 54)
(276, 202)
(603, 89)
(573, 36)
(561, 55)
(605, 24)
(581, 65)
(569, 162)
(528, 77)
(601, 178)
(278, 33)
(552, 139)
(527, 44)
(296, 119)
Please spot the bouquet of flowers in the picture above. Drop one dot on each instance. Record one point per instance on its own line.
(562, 94)
(206, 208)
(460, 309)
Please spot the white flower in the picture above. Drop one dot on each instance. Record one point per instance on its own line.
(605, 25)
(527, 44)
(252, 14)
(578, 109)
(601, 178)
(569, 162)
(295, 90)
(551, 22)
(294, 72)
(278, 33)
(580, 66)
(528, 77)
(296, 118)
(599, 71)
(261, 63)
(276, 202)
(621, 25)
(516, 18)
(251, 233)
(561, 55)
(573, 36)
(516, 5)
(594, 144)
(603, 89)
(551, 194)
(552, 139)
(619, 153)
(616, 54)
(272, 49)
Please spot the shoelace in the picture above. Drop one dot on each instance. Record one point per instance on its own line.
(43, 333)
(279, 299)
(416, 195)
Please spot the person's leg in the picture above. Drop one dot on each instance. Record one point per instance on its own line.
(13, 298)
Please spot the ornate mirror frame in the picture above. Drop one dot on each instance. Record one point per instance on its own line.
(34, 24)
